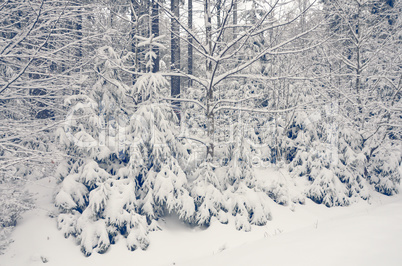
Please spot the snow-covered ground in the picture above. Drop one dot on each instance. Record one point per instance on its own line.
(310, 234)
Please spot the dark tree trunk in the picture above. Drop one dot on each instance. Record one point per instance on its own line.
(79, 52)
(234, 19)
(155, 33)
(78, 28)
(134, 32)
(218, 11)
(190, 42)
(175, 55)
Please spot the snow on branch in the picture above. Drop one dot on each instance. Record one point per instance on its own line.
(186, 100)
(234, 101)
(259, 55)
(186, 29)
(22, 71)
(255, 110)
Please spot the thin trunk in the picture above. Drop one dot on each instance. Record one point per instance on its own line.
(134, 41)
(358, 66)
(190, 42)
(210, 92)
(155, 33)
(234, 19)
(79, 53)
(218, 11)
(175, 55)
(78, 27)
(144, 25)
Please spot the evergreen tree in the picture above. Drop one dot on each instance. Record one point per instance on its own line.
(130, 173)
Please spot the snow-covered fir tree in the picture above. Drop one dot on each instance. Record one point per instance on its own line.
(125, 170)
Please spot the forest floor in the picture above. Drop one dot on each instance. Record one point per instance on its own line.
(365, 233)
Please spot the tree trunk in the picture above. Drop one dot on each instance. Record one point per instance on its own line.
(190, 42)
(175, 55)
(234, 19)
(155, 33)
(210, 92)
(134, 41)
(218, 11)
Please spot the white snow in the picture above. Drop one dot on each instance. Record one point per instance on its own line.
(361, 234)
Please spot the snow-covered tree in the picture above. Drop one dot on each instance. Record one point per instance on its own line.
(128, 167)
(40, 66)
(363, 66)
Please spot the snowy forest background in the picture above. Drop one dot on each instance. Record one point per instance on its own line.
(146, 108)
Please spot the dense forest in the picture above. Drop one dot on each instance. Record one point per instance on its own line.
(144, 108)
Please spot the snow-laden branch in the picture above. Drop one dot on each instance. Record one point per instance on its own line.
(185, 28)
(255, 110)
(201, 81)
(221, 30)
(234, 101)
(371, 58)
(348, 62)
(4, 4)
(134, 23)
(12, 45)
(73, 43)
(341, 14)
(202, 141)
(186, 100)
(259, 55)
(33, 132)
(22, 71)
(19, 97)
(270, 27)
(398, 88)
(247, 34)
(265, 78)
(152, 40)
(295, 51)
(111, 81)
(7, 164)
